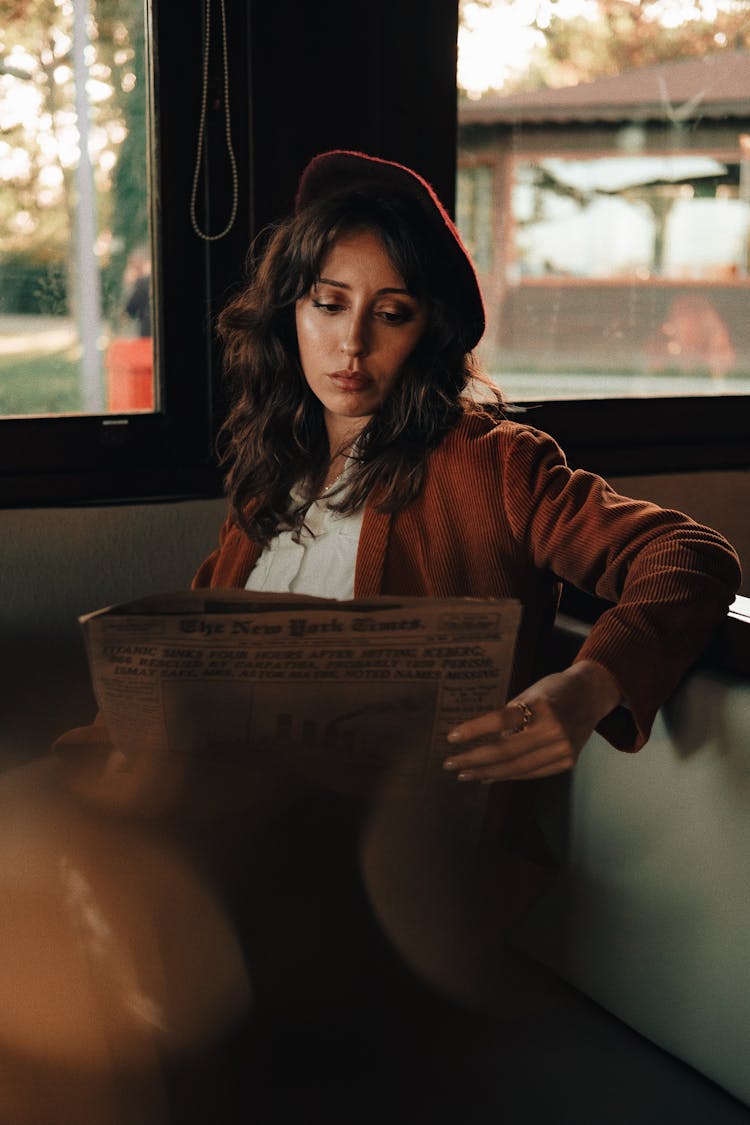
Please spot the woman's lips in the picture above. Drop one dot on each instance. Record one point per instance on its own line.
(351, 380)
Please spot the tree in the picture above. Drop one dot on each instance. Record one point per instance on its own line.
(629, 35)
(121, 22)
(605, 37)
(39, 137)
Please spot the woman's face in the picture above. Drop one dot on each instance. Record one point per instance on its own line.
(356, 328)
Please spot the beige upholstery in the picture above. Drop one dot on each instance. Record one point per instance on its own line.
(651, 917)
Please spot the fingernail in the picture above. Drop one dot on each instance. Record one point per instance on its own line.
(449, 764)
(453, 736)
(466, 775)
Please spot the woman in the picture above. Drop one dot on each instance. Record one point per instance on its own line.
(361, 464)
(366, 456)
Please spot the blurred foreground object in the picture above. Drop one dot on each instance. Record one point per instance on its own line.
(115, 958)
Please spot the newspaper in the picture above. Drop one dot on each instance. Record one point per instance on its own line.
(303, 736)
(342, 685)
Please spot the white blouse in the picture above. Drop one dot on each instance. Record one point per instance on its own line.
(322, 563)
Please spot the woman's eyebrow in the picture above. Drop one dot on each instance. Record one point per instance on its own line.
(343, 285)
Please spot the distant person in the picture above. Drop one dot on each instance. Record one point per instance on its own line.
(692, 338)
(137, 280)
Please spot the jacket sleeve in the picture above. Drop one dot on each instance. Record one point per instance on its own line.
(670, 578)
(230, 564)
(205, 572)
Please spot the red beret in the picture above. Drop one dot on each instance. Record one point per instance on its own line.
(340, 171)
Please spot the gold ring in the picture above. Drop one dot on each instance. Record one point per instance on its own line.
(527, 716)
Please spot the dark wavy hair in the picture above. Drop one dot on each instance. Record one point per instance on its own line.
(274, 437)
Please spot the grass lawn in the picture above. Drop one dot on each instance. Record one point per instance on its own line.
(46, 383)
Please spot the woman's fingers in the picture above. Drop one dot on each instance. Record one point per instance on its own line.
(526, 765)
(505, 760)
(512, 719)
(538, 734)
(525, 739)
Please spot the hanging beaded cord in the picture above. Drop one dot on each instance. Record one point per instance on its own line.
(227, 128)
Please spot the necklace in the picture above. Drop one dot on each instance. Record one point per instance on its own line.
(333, 483)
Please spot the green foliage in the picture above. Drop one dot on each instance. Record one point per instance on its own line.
(624, 35)
(32, 287)
(44, 190)
(130, 183)
(47, 383)
(630, 35)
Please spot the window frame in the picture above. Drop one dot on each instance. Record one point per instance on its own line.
(646, 436)
(167, 454)
(636, 435)
(633, 435)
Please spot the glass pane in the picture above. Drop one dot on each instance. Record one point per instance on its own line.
(474, 212)
(613, 251)
(75, 260)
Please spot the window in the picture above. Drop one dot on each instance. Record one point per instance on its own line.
(624, 275)
(618, 232)
(107, 297)
(631, 218)
(75, 305)
(475, 212)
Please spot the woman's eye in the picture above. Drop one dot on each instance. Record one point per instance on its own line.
(395, 317)
(327, 306)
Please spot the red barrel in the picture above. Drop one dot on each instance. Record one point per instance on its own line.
(129, 364)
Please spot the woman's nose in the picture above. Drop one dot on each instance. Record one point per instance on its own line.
(354, 342)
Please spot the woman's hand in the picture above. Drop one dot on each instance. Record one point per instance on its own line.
(539, 733)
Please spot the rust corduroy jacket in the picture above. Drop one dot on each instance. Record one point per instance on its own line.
(502, 515)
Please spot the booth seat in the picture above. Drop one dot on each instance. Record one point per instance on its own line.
(650, 916)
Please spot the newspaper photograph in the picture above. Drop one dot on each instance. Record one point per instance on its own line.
(341, 687)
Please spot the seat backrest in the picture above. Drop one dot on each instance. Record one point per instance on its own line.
(651, 914)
